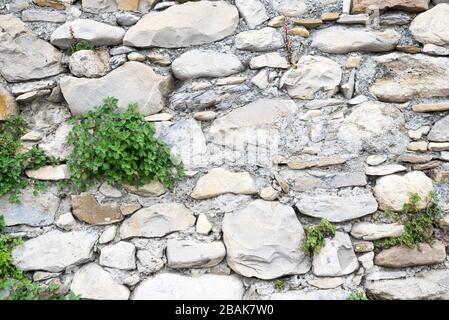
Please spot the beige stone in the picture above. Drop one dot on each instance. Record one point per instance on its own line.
(128, 5)
(299, 164)
(431, 107)
(151, 189)
(330, 16)
(309, 23)
(87, 209)
(360, 6)
(299, 31)
(8, 106)
(401, 256)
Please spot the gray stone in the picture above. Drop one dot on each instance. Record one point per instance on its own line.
(337, 208)
(253, 11)
(313, 74)
(401, 256)
(32, 15)
(121, 255)
(19, 43)
(32, 211)
(174, 286)
(290, 8)
(194, 254)
(66, 221)
(344, 40)
(336, 258)
(205, 64)
(89, 63)
(263, 240)
(440, 131)
(265, 39)
(329, 294)
(142, 86)
(157, 221)
(55, 250)
(56, 145)
(99, 34)
(184, 25)
(93, 282)
(271, 60)
(373, 231)
(384, 170)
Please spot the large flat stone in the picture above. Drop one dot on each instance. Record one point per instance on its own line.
(344, 40)
(142, 86)
(263, 240)
(86, 208)
(157, 221)
(194, 254)
(360, 6)
(55, 250)
(411, 76)
(337, 208)
(375, 231)
(32, 211)
(401, 256)
(172, 286)
(38, 59)
(188, 24)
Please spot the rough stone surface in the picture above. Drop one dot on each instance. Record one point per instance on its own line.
(360, 6)
(265, 39)
(121, 255)
(143, 86)
(89, 63)
(193, 254)
(373, 231)
(55, 250)
(179, 287)
(429, 27)
(263, 251)
(191, 23)
(400, 256)
(87, 209)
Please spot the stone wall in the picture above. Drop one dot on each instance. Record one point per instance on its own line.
(283, 111)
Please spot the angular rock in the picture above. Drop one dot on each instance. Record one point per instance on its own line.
(305, 163)
(411, 76)
(142, 86)
(53, 173)
(32, 15)
(193, 254)
(265, 39)
(329, 294)
(384, 170)
(327, 283)
(99, 34)
(374, 231)
(376, 127)
(174, 286)
(220, 181)
(205, 64)
(430, 27)
(344, 40)
(313, 74)
(263, 240)
(38, 59)
(185, 25)
(89, 63)
(56, 145)
(336, 258)
(8, 106)
(55, 250)
(203, 226)
(426, 285)
(121, 255)
(401, 256)
(440, 131)
(109, 191)
(337, 208)
(362, 18)
(66, 221)
(32, 211)
(435, 50)
(290, 8)
(393, 191)
(271, 60)
(157, 221)
(93, 282)
(253, 11)
(108, 235)
(87, 209)
(360, 6)
(151, 189)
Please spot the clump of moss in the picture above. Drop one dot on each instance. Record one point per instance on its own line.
(315, 236)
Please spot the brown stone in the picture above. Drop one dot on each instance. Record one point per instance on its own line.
(401, 256)
(330, 16)
(360, 6)
(56, 4)
(282, 182)
(414, 158)
(440, 176)
(129, 208)
(151, 189)
(408, 48)
(431, 107)
(309, 23)
(8, 106)
(299, 163)
(299, 31)
(129, 5)
(427, 166)
(87, 209)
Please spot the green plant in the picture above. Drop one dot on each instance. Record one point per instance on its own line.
(119, 148)
(315, 236)
(14, 161)
(279, 284)
(418, 222)
(357, 296)
(77, 44)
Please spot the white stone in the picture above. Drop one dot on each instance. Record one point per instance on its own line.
(108, 234)
(194, 254)
(52, 173)
(290, 8)
(253, 11)
(265, 39)
(271, 60)
(374, 231)
(430, 27)
(375, 160)
(384, 170)
(260, 80)
(203, 226)
(89, 63)
(121, 255)
(66, 221)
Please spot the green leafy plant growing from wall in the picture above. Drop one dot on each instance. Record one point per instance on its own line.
(419, 222)
(119, 148)
(14, 161)
(357, 296)
(279, 285)
(77, 44)
(316, 235)
(14, 284)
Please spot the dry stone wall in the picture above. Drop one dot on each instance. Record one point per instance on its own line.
(283, 112)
